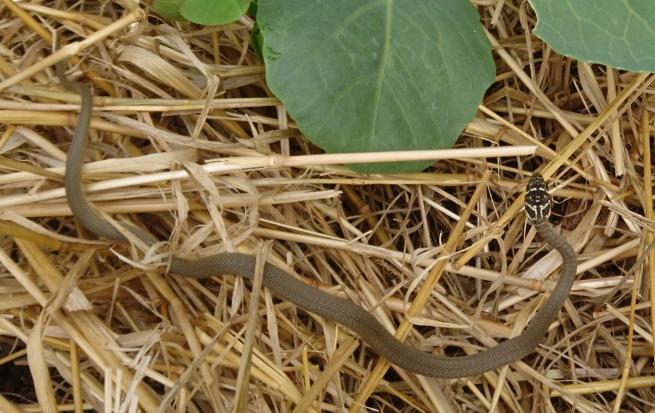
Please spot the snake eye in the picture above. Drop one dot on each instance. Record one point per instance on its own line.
(537, 199)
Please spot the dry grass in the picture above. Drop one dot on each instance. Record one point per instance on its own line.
(85, 324)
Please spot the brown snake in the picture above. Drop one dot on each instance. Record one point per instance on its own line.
(345, 312)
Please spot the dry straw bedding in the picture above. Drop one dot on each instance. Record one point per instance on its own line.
(86, 324)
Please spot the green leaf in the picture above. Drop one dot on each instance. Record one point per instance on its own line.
(381, 75)
(214, 12)
(257, 41)
(169, 9)
(616, 33)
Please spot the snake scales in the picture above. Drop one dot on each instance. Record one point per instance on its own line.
(285, 286)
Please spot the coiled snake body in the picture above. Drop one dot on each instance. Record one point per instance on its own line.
(340, 310)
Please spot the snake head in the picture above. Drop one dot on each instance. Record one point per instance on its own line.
(537, 199)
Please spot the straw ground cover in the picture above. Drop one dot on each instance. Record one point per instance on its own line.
(183, 143)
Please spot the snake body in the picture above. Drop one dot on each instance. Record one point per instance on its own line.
(345, 312)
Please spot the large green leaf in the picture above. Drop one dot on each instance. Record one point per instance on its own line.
(381, 75)
(616, 33)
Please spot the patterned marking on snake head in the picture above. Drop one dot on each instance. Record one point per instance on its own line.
(538, 201)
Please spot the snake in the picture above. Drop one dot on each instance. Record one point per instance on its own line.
(283, 285)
